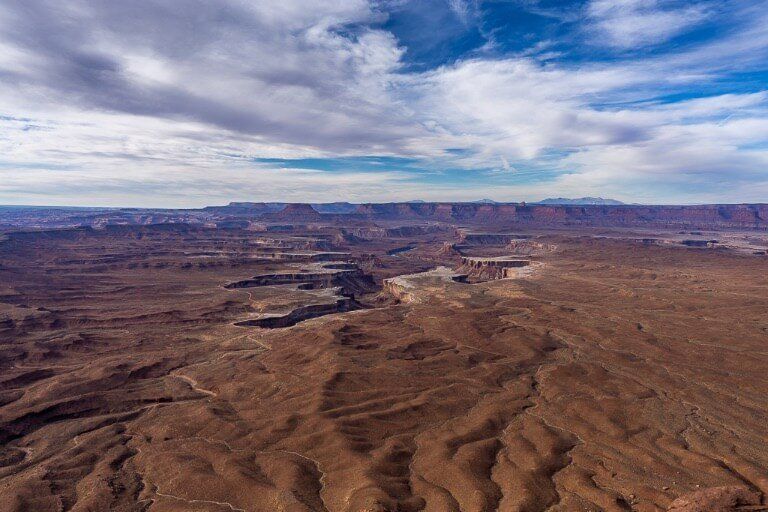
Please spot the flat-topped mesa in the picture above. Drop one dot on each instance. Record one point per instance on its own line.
(294, 212)
(420, 286)
(491, 268)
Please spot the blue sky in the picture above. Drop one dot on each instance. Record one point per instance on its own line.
(188, 103)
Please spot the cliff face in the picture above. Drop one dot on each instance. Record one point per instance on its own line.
(745, 216)
(294, 211)
(490, 268)
(731, 216)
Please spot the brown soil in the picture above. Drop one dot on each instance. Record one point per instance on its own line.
(616, 376)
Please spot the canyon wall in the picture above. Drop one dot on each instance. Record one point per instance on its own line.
(357, 219)
(743, 216)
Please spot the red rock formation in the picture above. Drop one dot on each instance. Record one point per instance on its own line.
(744, 216)
(294, 212)
(449, 250)
(490, 268)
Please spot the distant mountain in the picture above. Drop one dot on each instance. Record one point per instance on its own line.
(479, 201)
(598, 201)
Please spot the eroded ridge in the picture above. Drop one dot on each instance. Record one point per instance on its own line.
(612, 378)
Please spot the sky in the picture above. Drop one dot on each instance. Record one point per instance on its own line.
(186, 103)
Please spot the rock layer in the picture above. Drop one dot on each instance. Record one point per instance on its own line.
(703, 216)
(491, 268)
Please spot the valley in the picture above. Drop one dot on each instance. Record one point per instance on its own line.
(380, 366)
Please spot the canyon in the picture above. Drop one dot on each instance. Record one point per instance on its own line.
(438, 357)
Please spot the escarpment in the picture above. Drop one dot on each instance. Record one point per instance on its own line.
(479, 268)
(746, 216)
(273, 321)
(346, 276)
(413, 219)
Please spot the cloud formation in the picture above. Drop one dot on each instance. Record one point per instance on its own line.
(178, 102)
(633, 23)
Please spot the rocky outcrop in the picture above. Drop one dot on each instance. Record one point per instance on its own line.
(718, 499)
(417, 287)
(491, 268)
(399, 289)
(449, 250)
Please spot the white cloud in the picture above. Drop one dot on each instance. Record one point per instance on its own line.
(521, 111)
(227, 64)
(461, 8)
(634, 23)
(154, 104)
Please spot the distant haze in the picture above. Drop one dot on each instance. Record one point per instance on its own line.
(580, 200)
